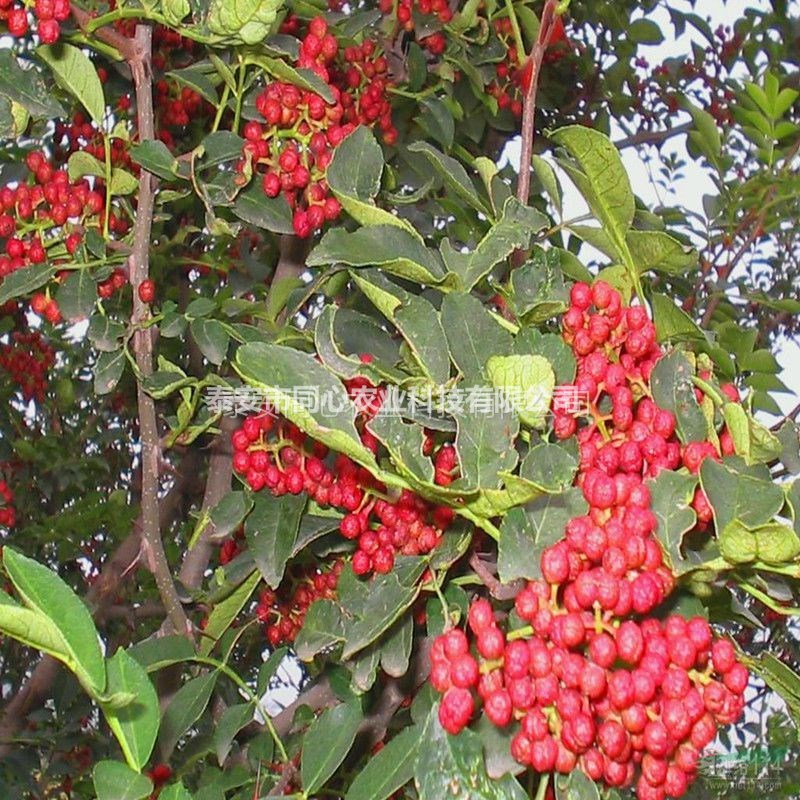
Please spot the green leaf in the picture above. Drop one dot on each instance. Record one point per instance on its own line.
(229, 513)
(530, 341)
(528, 382)
(386, 599)
(671, 495)
(108, 370)
(322, 628)
(33, 629)
(271, 531)
(513, 231)
(392, 249)
(177, 791)
(453, 174)
(76, 74)
(389, 770)
(549, 180)
(247, 21)
(485, 445)
(781, 679)
(437, 121)
(44, 592)
(233, 719)
(304, 78)
(453, 766)
(396, 649)
(538, 289)
(673, 390)
(27, 88)
(660, 252)
(185, 709)
(577, 785)
(706, 135)
(526, 531)
(776, 543)
(226, 611)
(550, 466)
(163, 383)
(473, 335)
(415, 318)
(115, 781)
(644, 31)
(735, 495)
(24, 281)
(158, 652)
(404, 442)
(327, 742)
(282, 372)
(105, 333)
(271, 213)
(134, 725)
(77, 295)
(672, 323)
(597, 171)
(154, 156)
(212, 337)
(354, 176)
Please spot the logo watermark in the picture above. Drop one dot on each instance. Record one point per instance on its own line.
(750, 768)
(394, 401)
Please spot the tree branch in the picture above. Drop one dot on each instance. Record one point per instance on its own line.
(496, 589)
(143, 340)
(653, 137)
(122, 44)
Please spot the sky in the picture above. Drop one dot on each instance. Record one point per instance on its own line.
(695, 183)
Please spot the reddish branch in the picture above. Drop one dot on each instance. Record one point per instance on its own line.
(125, 46)
(534, 66)
(143, 340)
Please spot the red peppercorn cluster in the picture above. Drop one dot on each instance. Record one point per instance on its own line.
(47, 15)
(27, 358)
(274, 454)
(632, 702)
(363, 81)
(432, 11)
(38, 216)
(81, 134)
(626, 699)
(506, 87)
(292, 149)
(8, 515)
(283, 618)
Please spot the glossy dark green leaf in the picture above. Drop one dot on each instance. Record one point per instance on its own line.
(735, 495)
(105, 333)
(226, 611)
(538, 288)
(672, 323)
(392, 249)
(271, 213)
(233, 719)
(576, 786)
(27, 87)
(531, 341)
(271, 531)
(322, 628)
(485, 446)
(108, 370)
(327, 743)
(212, 337)
(395, 650)
(185, 709)
(528, 530)
(660, 252)
(158, 652)
(551, 466)
(155, 157)
(114, 780)
(437, 121)
(77, 296)
(388, 770)
(228, 514)
(473, 335)
(673, 390)
(453, 766)
(23, 282)
(671, 494)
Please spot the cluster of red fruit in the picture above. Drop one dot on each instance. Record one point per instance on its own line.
(363, 82)
(8, 515)
(431, 11)
(292, 148)
(39, 216)
(47, 15)
(273, 454)
(283, 612)
(27, 358)
(80, 134)
(587, 684)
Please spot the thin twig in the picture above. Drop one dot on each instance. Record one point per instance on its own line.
(143, 340)
(125, 46)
